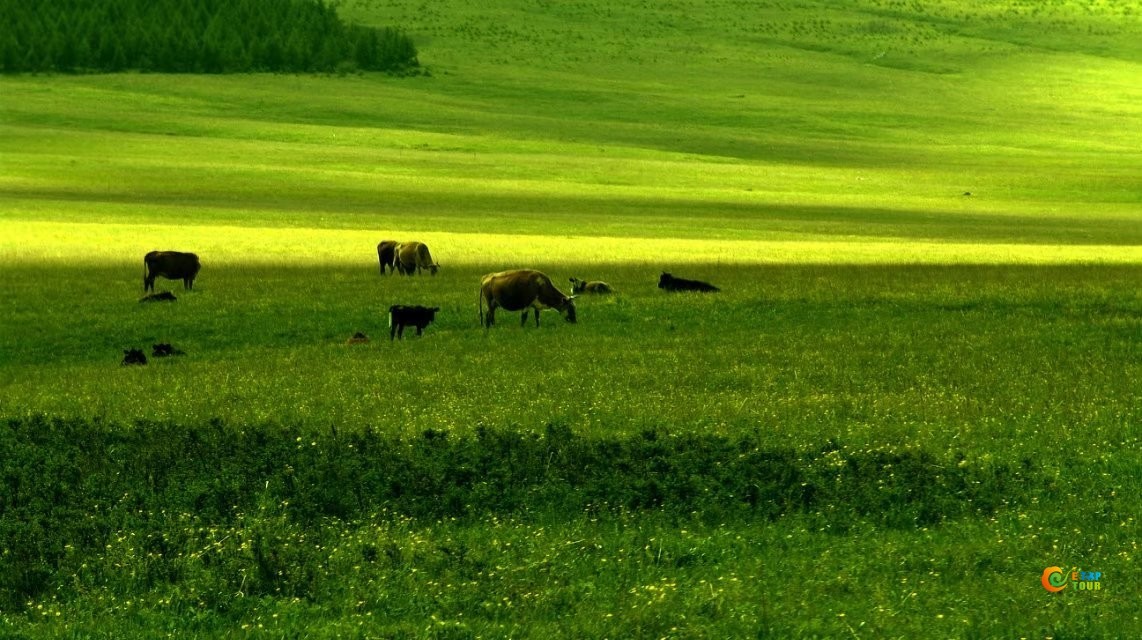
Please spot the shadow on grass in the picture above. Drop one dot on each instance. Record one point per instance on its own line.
(69, 485)
(570, 214)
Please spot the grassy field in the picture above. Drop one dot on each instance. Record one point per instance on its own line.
(916, 391)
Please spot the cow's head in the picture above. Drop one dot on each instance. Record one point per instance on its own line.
(568, 309)
(664, 280)
(432, 268)
(577, 285)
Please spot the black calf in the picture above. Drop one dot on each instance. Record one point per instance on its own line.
(401, 316)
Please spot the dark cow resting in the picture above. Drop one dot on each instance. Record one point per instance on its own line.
(164, 349)
(358, 338)
(172, 265)
(133, 356)
(401, 316)
(164, 296)
(670, 283)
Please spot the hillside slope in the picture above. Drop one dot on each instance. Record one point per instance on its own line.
(718, 119)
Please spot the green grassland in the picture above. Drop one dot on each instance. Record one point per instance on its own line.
(906, 402)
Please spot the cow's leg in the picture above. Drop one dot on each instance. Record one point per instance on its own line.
(419, 329)
(523, 318)
(400, 331)
(490, 317)
(148, 285)
(393, 329)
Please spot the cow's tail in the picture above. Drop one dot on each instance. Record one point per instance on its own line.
(480, 305)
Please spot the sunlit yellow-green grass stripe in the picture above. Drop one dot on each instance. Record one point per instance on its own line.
(71, 243)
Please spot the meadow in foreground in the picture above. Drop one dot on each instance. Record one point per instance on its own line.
(909, 444)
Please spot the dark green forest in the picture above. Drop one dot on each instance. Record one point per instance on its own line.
(192, 36)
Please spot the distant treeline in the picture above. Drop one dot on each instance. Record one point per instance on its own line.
(192, 36)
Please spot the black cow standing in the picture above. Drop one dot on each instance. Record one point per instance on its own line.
(670, 283)
(172, 265)
(387, 255)
(401, 316)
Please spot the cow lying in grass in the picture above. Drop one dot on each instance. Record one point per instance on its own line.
(134, 356)
(163, 350)
(401, 316)
(593, 287)
(165, 296)
(670, 283)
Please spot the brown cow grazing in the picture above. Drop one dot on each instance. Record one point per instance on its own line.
(524, 289)
(670, 283)
(387, 255)
(134, 356)
(411, 257)
(593, 287)
(402, 315)
(172, 265)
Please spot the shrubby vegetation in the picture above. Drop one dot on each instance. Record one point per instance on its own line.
(71, 488)
(192, 36)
